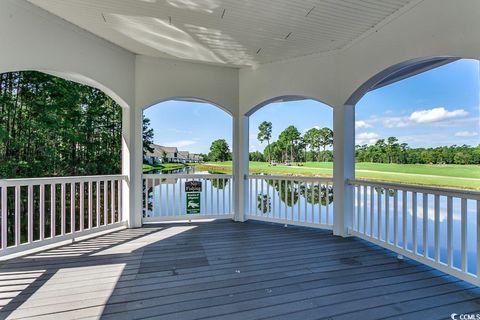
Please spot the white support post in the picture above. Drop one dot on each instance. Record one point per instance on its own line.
(240, 167)
(132, 166)
(343, 168)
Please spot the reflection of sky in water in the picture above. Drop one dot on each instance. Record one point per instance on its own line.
(169, 197)
(297, 208)
(443, 223)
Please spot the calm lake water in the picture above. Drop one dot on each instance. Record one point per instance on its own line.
(167, 198)
(293, 201)
(471, 216)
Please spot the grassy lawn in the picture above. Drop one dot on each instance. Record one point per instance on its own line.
(163, 166)
(453, 176)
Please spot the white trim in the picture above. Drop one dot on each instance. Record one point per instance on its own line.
(291, 178)
(41, 245)
(57, 180)
(459, 193)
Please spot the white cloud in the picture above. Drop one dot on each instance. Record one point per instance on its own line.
(360, 124)
(366, 138)
(466, 134)
(179, 143)
(395, 122)
(436, 115)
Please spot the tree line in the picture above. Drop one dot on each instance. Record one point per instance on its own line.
(53, 127)
(391, 151)
(291, 145)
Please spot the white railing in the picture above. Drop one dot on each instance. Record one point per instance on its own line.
(439, 227)
(42, 211)
(305, 201)
(164, 196)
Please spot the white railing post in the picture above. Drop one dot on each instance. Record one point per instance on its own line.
(460, 209)
(132, 166)
(240, 167)
(52, 210)
(343, 168)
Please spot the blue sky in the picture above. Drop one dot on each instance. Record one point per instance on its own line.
(189, 126)
(438, 107)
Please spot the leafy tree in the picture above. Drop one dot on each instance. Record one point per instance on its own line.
(273, 152)
(219, 151)
(326, 138)
(312, 139)
(265, 133)
(204, 156)
(289, 138)
(147, 135)
(462, 158)
(392, 149)
(75, 129)
(256, 156)
(393, 152)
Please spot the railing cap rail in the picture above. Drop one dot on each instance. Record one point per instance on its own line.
(461, 193)
(291, 178)
(187, 176)
(50, 180)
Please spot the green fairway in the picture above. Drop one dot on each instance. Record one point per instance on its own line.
(453, 176)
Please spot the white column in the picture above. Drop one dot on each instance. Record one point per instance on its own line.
(132, 166)
(343, 168)
(240, 167)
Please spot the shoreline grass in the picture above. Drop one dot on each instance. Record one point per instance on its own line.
(162, 166)
(449, 176)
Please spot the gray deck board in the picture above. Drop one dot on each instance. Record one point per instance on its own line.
(226, 270)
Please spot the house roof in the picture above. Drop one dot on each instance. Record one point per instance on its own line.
(158, 150)
(184, 154)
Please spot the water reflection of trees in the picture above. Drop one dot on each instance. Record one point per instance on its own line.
(288, 191)
(317, 193)
(219, 183)
(264, 203)
(165, 182)
(61, 209)
(381, 190)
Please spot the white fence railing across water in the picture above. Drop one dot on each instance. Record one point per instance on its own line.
(305, 201)
(164, 196)
(436, 226)
(40, 211)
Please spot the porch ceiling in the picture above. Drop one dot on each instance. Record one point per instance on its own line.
(228, 32)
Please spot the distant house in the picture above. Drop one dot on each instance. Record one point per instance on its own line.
(184, 156)
(196, 158)
(161, 154)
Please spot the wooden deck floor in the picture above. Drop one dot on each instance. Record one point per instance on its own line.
(227, 270)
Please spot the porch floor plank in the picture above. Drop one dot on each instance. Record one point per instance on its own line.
(226, 270)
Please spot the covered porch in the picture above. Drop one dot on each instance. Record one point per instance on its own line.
(226, 270)
(113, 246)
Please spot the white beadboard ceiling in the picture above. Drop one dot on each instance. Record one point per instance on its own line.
(236, 33)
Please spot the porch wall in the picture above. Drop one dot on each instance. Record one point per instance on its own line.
(37, 40)
(33, 39)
